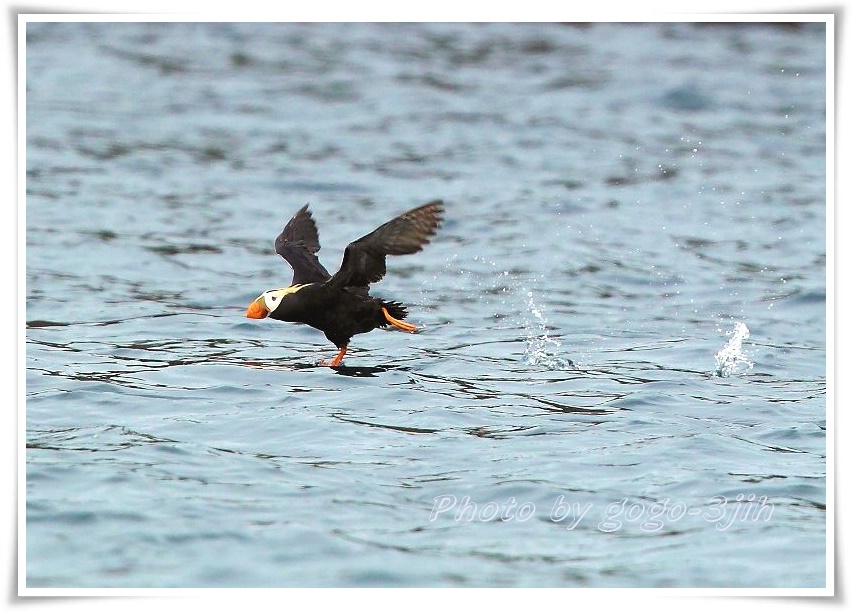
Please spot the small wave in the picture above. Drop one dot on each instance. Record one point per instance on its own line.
(731, 360)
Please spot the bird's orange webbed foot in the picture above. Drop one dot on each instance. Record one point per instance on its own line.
(399, 324)
(335, 362)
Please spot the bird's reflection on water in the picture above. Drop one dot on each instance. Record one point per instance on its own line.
(344, 370)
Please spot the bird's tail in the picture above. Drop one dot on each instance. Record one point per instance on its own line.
(393, 313)
(395, 309)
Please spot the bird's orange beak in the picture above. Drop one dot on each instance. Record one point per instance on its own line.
(257, 309)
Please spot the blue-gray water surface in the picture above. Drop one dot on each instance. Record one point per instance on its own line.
(620, 375)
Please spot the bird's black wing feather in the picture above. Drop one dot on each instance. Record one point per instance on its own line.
(364, 259)
(298, 243)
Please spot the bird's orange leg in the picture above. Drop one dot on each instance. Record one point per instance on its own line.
(337, 359)
(398, 323)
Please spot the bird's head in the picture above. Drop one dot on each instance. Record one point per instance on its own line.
(269, 301)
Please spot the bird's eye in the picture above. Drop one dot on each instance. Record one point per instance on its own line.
(274, 297)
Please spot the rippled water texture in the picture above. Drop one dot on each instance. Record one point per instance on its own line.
(619, 199)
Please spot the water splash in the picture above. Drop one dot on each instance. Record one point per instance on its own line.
(731, 360)
(508, 299)
(541, 349)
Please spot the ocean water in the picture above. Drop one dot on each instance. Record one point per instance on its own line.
(620, 377)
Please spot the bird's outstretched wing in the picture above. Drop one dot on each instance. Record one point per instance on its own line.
(298, 243)
(364, 259)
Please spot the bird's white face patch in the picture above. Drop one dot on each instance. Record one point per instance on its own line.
(273, 298)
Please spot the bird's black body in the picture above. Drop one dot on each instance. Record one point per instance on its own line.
(340, 313)
(340, 305)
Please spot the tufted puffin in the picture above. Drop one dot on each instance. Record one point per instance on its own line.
(340, 305)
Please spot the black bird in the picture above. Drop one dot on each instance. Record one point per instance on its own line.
(340, 305)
